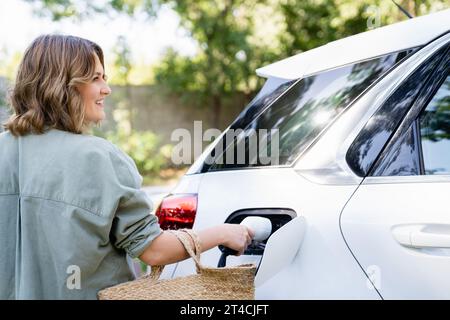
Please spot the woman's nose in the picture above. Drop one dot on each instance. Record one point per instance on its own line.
(106, 90)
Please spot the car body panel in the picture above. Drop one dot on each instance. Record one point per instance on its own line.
(403, 236)
(400, 272)
(323, 267)
(277, 255)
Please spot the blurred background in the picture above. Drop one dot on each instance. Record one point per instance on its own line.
(171, 63)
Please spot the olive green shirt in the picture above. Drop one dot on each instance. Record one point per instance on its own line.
(71, 209)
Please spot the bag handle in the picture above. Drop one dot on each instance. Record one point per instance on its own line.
(188, 237)
(190, 242)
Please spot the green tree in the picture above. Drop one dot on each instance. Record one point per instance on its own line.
(226, 32)
(222, 29)
(122, 68)
(311, 23)
(122, 61)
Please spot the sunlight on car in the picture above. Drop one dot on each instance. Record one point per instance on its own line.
(322, 117)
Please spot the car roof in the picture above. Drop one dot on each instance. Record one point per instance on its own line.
(395, 37)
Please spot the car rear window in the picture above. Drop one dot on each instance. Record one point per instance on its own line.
(291, 122)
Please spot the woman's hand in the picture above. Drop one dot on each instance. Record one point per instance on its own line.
(237, 237)
(166, 248)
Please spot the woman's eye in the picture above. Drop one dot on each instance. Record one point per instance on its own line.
(96, 78)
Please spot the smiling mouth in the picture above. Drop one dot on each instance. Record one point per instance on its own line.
(99, 102)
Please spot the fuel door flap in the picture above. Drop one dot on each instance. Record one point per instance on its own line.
(280, 250)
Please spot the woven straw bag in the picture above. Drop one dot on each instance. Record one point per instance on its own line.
(228, 283)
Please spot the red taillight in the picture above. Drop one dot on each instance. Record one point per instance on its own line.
(177, 211)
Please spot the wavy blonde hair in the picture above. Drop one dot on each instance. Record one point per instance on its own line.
(44, 95)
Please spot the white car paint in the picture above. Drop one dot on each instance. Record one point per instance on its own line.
(321, 256)
(277, 255)
(417, 207)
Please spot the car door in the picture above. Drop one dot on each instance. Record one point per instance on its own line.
(397, 223)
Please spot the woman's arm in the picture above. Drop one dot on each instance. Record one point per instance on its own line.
(166, 248)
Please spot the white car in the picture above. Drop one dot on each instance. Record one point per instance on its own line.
(358, 195)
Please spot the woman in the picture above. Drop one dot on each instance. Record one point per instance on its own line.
(71, 207)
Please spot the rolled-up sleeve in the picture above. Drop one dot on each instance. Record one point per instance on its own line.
(134, 228)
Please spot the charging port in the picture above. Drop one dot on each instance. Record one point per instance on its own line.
(277, 216)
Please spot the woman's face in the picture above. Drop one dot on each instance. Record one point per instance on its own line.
(94, 93)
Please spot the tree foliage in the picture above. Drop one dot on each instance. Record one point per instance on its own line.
(122, 61)
(234, 37)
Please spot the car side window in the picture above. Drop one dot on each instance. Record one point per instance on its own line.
(297, 117)
(424, 148)
(363, 156)
(434, 124)
(403, 157)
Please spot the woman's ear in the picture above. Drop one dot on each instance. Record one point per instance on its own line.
(76, 88)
